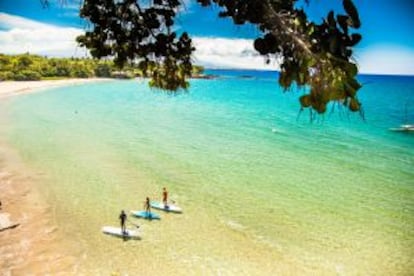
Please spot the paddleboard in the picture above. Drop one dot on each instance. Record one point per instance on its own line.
(402, 129)
(116, 231)
(170, 208)
(146, 215)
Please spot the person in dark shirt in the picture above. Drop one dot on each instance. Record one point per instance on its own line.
(122, 218)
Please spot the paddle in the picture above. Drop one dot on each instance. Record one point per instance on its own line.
(9, 227)
(137, 226)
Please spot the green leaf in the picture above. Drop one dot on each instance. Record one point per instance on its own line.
(352, 12)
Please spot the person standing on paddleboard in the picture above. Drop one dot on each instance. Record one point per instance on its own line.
(165, 197)
(147, 205)
(122, 218)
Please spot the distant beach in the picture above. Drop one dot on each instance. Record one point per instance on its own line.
(14, 88)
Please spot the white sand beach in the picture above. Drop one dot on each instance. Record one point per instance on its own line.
(14, 88)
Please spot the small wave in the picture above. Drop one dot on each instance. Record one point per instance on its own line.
(235, 225)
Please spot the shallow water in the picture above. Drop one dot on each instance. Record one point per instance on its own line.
(262, 192)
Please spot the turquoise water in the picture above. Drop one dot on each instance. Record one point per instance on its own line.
(263, 190)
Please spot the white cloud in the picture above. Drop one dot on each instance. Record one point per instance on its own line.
(21, 35)
(229, 53)
(239, 53)
(11, 21)
(386, 59)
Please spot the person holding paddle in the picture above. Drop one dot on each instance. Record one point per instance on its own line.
(122, 218)
(165, 197)
(147, 205)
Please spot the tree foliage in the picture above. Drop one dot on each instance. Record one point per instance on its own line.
(128, 31)
(315, 55)
(33, 67)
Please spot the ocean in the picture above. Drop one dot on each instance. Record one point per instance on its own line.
(265, 190)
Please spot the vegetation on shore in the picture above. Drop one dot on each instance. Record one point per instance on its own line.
(27, 67)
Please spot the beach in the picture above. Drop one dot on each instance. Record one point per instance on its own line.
(262, 192)
(15, 88)
(28, 233)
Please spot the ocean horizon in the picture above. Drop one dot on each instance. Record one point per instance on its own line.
(265, 189)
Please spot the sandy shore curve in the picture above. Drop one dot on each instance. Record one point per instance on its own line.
(29, 242)
(15, 88)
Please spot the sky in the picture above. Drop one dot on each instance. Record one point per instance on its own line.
(387, 29)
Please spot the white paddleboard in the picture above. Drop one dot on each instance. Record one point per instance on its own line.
(116, 231)
(169, 208)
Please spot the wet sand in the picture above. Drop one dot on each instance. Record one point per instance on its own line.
(29, 242)
(29, 247)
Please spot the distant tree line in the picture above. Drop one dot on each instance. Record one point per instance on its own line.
(26, 67)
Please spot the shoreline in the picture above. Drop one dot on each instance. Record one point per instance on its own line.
(29, 237)
(16, 88)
